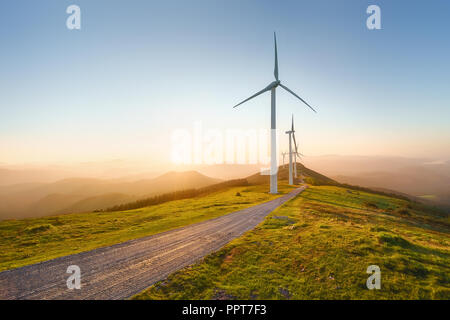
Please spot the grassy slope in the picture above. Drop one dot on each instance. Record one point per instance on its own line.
(311, 176)
(321, 248)
(29, 241)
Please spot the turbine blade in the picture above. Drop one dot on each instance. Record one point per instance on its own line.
(292, 125)
(275, 71)
(270, 86)
(291, 92)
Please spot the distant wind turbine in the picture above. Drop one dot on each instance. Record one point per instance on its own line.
(296, 153)
(273, 148)
(284, 154)
(296, 150)
(291, 134)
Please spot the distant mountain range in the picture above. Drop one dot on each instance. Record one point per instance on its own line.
(87, 194)
(422, 178)
(38, 191)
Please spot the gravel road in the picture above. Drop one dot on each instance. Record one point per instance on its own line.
(122, 270)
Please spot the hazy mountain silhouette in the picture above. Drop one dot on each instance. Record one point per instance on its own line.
(35, 192)
(417, 177)
(87, 194)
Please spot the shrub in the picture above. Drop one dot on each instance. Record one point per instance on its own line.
(178, 195)
(371, 205)
(38, 228)
(394, 240)
(416, 270)
(403, 212)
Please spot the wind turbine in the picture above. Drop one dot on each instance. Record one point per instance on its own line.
(300, 155)
(284, 154)
(291, 134)
(273, 147)
(297, 154)
(296, 150)
(291, 152)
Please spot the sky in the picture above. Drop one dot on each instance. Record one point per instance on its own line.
(138, 70)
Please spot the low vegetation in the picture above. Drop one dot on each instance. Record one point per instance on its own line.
(316, 246)
(29, 241)
(178, 195)
(319, 245)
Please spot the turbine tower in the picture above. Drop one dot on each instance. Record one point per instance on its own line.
(299, 155)
(273, 147)
(291, 134)
(284, 154)
(296, 150)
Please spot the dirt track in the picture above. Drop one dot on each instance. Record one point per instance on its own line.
(122, 270)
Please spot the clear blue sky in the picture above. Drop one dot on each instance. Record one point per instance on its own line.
(138, 69)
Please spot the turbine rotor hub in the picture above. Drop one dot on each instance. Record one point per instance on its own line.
(275, 83)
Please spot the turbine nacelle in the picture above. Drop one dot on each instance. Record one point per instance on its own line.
(271, 86)
(274, 84)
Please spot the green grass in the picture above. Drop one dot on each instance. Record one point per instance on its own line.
(29, 241)
(429, 197)
(318, 246)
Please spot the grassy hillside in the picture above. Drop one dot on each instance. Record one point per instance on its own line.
(98, 202)
(83, 194)
(310, 176)
(316, 246)
(432, 180)
(319, 245)
(178, 195)
(33, 240)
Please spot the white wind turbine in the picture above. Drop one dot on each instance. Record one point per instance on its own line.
(299, 155)
(273, 148)
(291, 134)
(284, 154)
(296, 149)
